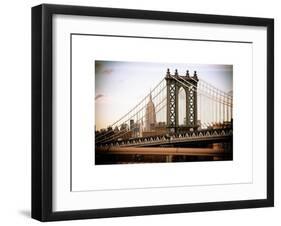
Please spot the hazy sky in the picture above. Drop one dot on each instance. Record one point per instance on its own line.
(119, 86)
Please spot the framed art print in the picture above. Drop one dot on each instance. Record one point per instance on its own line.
(145, 112)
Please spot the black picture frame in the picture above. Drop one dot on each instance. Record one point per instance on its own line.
(42, 106)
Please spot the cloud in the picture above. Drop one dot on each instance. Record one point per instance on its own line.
(99, 96)
(107, 71)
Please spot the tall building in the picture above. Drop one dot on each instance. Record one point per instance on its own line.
(150, 115)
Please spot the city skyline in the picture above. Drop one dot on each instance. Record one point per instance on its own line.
(120, 85)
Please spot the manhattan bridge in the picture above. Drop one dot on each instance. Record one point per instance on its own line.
(183, 118)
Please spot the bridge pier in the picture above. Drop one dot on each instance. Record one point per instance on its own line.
(189, 84)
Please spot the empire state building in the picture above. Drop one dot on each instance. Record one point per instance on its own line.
(150, 115)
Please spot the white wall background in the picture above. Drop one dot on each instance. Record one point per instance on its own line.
(15, 113)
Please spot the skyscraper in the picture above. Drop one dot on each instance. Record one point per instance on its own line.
(150, 115)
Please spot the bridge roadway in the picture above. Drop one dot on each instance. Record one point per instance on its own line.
(180, 141)
(215, 151)
(208, 135)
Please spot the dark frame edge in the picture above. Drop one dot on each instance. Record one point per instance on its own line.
(156, 210)
(41, 110)
(270, 111)
(36, 155)
(155, 15)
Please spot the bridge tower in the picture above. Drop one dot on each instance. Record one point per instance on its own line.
(189, 84)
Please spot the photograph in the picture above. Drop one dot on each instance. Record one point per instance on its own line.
(153, 112)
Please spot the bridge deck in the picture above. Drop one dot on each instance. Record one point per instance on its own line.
(161, 151)
(210, 135)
